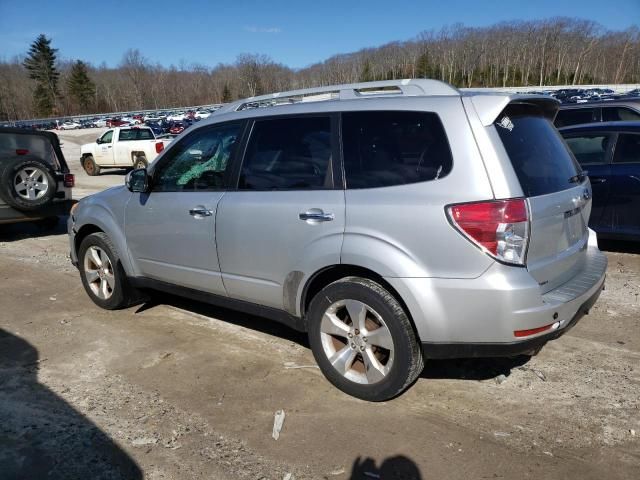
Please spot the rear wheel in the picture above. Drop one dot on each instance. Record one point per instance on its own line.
(90, 166)
(103, 277)
(363, 340)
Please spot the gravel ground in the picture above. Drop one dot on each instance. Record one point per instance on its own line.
(174, 389)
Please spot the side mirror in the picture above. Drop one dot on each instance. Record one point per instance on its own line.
(98, 141)
(137, 180)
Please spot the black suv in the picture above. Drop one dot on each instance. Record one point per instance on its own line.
(598, 111)
(35, 181)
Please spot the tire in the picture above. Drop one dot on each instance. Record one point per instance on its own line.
(90, 166)
(393, 357)
(140, 162)
(27, 183)
(103, 277)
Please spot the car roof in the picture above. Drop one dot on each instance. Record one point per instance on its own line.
(604, 126)
(353, 97)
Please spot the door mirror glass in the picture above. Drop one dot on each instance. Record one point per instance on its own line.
(137, 180)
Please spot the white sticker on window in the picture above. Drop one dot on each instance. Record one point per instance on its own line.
(505, 122)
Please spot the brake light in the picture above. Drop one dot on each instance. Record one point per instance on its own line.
(500, 227)
(69, 180)
(159, 147)
(21, 151)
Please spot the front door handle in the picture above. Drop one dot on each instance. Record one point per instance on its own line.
(316, 215)
(200, 212)
(597, 179)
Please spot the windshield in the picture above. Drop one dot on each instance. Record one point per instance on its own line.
(539, 155)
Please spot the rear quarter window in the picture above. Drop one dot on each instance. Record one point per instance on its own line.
(540, 157)
(387, 148)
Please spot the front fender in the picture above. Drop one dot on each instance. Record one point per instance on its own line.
(108, 217)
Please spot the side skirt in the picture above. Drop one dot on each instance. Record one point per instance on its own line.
(279, 316)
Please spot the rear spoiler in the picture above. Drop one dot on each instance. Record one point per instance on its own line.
(490, 106)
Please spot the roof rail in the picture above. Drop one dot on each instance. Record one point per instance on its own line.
(413, 87)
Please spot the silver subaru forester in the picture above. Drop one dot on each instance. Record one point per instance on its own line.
(393, 221)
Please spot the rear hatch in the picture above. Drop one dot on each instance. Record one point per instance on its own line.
(557, 191)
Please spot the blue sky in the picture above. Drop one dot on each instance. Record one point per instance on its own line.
(295, 33)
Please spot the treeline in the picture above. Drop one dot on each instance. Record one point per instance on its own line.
(536, 53)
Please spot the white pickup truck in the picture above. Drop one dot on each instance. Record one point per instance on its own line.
(128, 147)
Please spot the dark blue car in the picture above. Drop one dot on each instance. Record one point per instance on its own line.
(610, 152)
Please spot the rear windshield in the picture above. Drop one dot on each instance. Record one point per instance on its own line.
(136, 134)
(538, 153)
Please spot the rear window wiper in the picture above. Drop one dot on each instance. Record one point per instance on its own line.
(579, 177)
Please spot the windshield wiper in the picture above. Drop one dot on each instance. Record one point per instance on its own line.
(579, 177)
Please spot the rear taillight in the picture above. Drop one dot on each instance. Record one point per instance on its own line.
(159, 147)
(21, 151)
(69, 180)
(500, 227)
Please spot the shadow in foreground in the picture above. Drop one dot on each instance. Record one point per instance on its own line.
(42, 436)
(392, 468)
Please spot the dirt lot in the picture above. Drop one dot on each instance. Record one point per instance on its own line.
(176, 390)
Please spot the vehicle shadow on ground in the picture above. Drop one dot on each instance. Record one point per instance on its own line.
(259, 324)
(459, 369)
(619, 246)
(42, 436)
(392, 468)
(472, 368)
(33, 229)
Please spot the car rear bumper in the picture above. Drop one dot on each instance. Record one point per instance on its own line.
(11, 215)
(507, 349)
(480, 317)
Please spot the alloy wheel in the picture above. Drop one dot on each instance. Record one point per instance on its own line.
(98, 271)
(31, 183)
(356, 341)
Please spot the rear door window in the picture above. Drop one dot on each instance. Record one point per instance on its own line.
(288, 154)
(616, 114)
(539, 155)
(575, 116)
(387, 148)
(627, 148)
(589, 149)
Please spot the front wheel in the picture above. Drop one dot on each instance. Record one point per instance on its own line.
(362, 339)
(103, 277)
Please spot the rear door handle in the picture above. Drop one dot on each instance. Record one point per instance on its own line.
(315, 215)
(199, 212)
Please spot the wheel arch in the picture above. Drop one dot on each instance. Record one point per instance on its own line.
(333, 273)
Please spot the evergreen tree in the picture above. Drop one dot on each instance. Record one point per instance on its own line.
(80, 86)
(41, 65)
(226, 94)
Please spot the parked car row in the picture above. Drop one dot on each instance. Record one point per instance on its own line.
(101, 121)
(583, 95)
